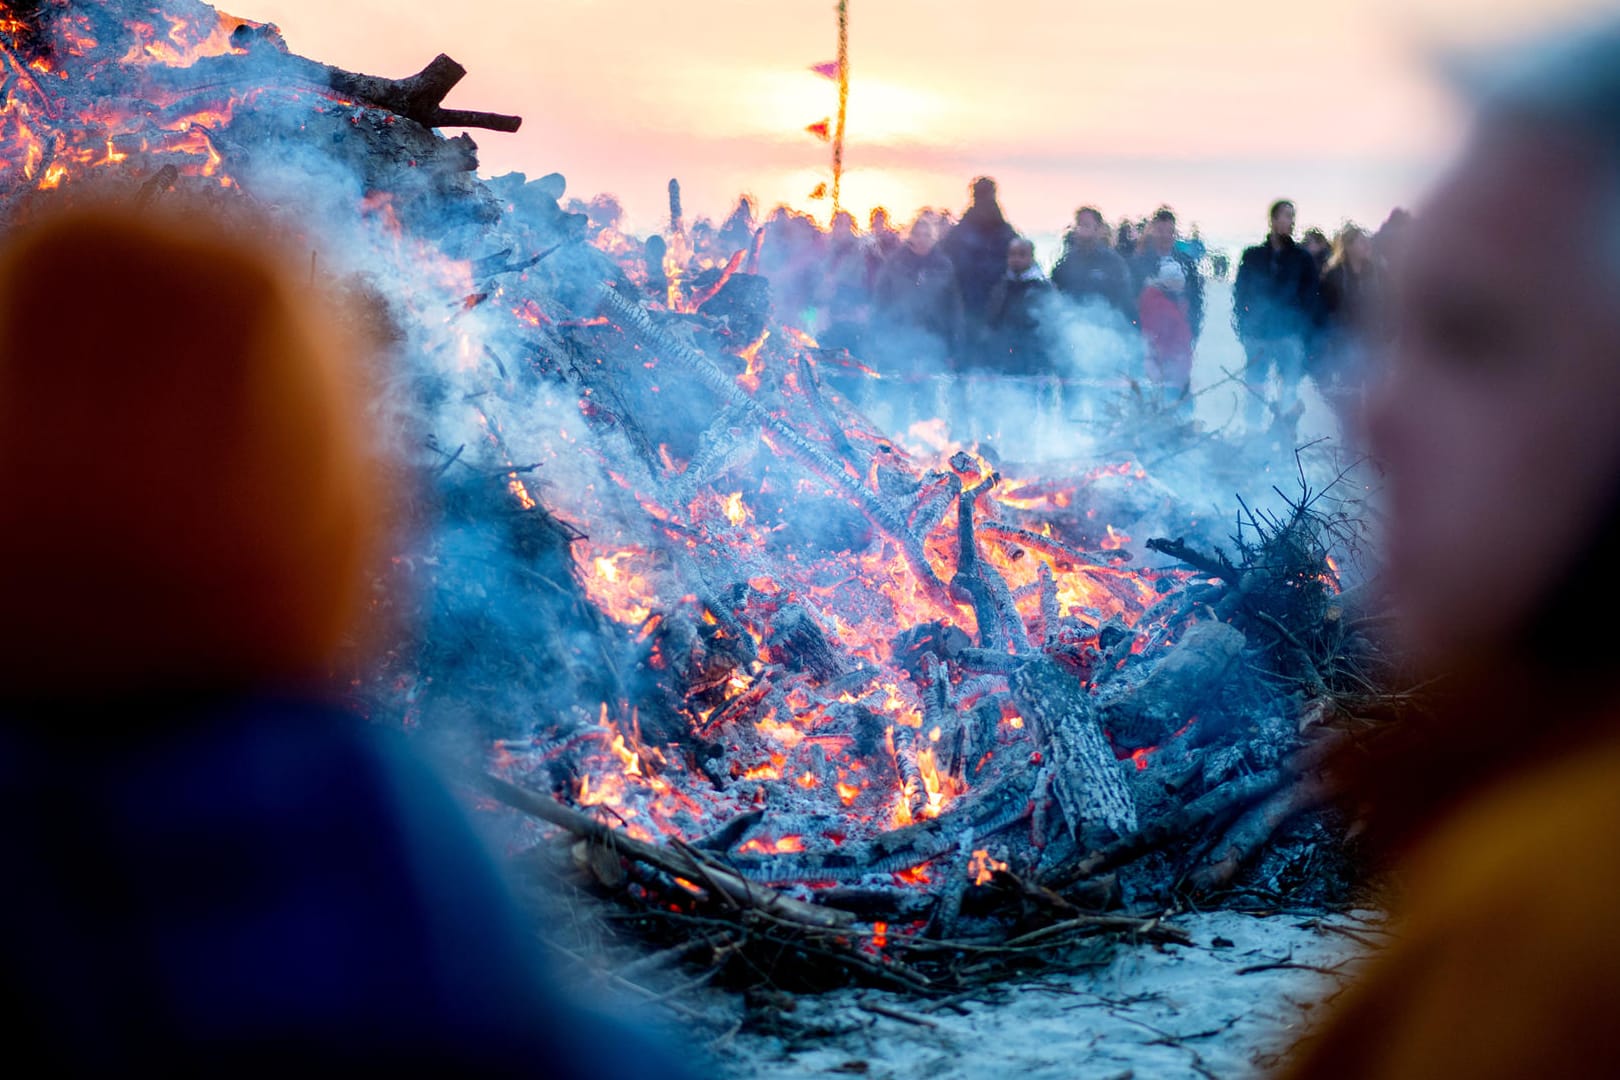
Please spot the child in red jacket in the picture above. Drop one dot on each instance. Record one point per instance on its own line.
(1166, 331)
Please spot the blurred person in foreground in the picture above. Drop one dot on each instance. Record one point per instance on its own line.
(1499, 428)
(211, 869)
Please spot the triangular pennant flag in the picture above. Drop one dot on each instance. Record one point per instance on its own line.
(828, 70)
(821, 129)
(820, 192)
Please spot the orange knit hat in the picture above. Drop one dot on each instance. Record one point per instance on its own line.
(185, 497)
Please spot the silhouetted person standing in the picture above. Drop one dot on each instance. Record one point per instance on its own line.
(1275, 308)
(917, 296)
(1167, 332)
(977, 248)
(1355, 324)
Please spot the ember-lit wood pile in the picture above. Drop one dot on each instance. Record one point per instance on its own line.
(813, 702)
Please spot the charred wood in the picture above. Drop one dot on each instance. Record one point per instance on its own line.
(1252, 831)
(798, 641)
(1216, 565)
(1186, 682)
(678, 863)
(161, 181)
(1064, 553)
(1168, 829)
(418, 97)
(989, 661)
(949, 909)
(633, 318)
(731, 833)
(932, 503)
(1086, 777)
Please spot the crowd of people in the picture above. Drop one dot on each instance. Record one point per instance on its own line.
(970, 296)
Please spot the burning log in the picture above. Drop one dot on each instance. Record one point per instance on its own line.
(683, 864)
(1073, 556)
(1086, 778)
(1189, 678)
(798, 641)
(984, 813)
(1000, 625)
(633, 317)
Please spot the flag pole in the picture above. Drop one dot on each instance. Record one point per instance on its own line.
(843, 104)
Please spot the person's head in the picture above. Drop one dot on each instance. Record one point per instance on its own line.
(923, 234)
(187, 500)
(983, 190)
(1352, 248)
(1161, 230)
(1090, 231)
(1389, 243)
(1499, 424)
(1281, 218)
(878, 221)
(1316, 242)
(1020, 254)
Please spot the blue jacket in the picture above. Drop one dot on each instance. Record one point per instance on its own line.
(261, 887)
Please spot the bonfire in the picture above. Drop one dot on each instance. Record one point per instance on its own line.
(816, 700)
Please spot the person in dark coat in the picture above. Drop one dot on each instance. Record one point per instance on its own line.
(1126, 238)
(1013, 315)
(1319, 247)
(919, 305)
(977, 248)
(1275, 310)
(211, 868)
(1089, 270)
(1354, 324)
(1159, 243)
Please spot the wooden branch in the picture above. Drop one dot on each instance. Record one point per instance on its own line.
(780, 434)
(1253, 831)
(416, 97)
(419, 97)
(1167, 829)
(1087, 780)
(677, 863)
(1215, 566)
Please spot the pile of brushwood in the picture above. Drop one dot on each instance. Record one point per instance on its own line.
(1234, 810)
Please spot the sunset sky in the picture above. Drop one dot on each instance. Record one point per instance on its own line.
(1215, 108)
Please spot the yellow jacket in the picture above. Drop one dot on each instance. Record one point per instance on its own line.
(1507, 960)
